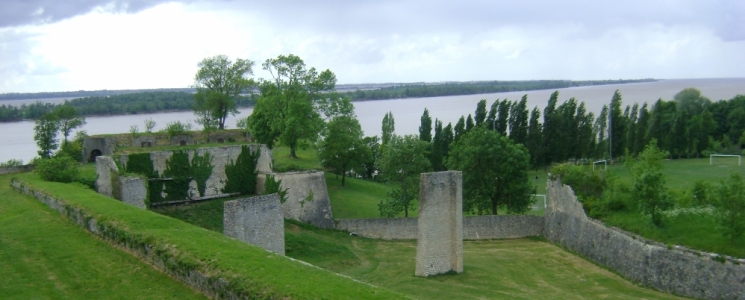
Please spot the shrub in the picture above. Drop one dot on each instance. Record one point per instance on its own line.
(177, 128)
(58, 169)
(72, 149)
(11, 163)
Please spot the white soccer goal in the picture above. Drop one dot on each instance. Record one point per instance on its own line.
(600, 161)
(739, 158)
(538, 204)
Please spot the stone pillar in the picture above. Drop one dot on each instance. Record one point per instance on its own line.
(107, 172)
(133, 191)
(440, 237)
(257, 221)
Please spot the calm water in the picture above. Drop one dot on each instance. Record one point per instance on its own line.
(16, 139)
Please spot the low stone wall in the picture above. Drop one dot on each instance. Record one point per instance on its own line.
(19, 169)
(679, 271)
(129, 189)
(315, 210)
(474, 227)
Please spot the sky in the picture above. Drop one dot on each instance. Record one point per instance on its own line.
(51, 45)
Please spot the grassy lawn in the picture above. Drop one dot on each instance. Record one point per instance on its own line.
(509, 269)
(44, 256)
(251, 269)
(307, 159)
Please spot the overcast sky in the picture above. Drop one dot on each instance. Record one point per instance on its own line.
(52, 45)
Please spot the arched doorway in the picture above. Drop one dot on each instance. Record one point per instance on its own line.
(95, 153)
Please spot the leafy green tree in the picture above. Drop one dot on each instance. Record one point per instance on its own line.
(287, 102)
(45, 134)
(469, 123)
(57, 169)
(585, 135)
(601, 130)
(68, 119)
(437, 154)
(218, 82)
(551, 130)
(616, 126)
(534, 141)
(480, 115)
(495, 172)
(460, 128)
(404, 158)
(369, 164)
(491, 119)
(730, 201)
(503, 115)
(425, 129)
(342, 148)
(389, 129)
(518, 120)
(649, 183)
(642, 123)
(691, 101)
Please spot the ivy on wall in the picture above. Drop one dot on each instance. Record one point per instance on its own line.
(201, 170)
(179, 172)
(178, 169)
(241, 173)
(141, 163)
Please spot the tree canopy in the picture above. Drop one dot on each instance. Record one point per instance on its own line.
(218, 82)
(404, 158)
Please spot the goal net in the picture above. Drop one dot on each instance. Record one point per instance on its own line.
(540, 202)
(726, 159)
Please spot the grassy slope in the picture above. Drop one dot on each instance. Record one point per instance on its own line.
(513, 269)
(43, 255)
(256, 270)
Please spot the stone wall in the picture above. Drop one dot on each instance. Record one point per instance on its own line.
(144, 141)
(221, 156)
(99, 146)
(182, 140)
(129, 189)
(19, 169)
(440, 238)
(299, 206)
(474, 227)
(679, 271)
(257, 221)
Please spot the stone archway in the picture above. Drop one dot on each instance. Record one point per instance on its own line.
(95, 153)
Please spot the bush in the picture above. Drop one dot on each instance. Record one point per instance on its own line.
(177, 128)
(11, 163)
(72, 149)
(57, 169)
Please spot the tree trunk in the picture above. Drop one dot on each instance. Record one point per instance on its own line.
(292, 152)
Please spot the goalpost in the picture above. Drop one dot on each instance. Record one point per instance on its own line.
(600, 161)
(545, 205)
(739, 158)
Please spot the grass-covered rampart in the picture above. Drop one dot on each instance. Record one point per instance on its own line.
(227, 266)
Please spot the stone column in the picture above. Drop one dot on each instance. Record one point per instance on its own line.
(440, 237)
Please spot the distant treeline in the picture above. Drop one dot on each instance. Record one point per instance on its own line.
(470, 88)
(136, 103)
(81, 94)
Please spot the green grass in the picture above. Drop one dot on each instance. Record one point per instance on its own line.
(44, 256)
(509, 269)
(307, 159)
(251, 269)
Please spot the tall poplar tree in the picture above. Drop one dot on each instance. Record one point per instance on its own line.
(480, 114)
(425, 128)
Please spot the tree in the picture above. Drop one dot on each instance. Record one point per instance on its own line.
(730, 200)
(425, 129)
(691, 101)
(535, 139)
(469, 123)
(460, 128)
(218, 82)
(480, 115)
(551, 130)
(287, 102)
(491, 119)
(616, 126)
(68, 119)
(342, 147)
(503, 115)
(601, 129)
(436, 155)
(403, 160)
(369, 164)
(649, 183)
(389, 129)
(495, 172)
(518, 120)
(45, 134)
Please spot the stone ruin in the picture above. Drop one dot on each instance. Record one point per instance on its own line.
(307, 197)
(128, 189)
(97, 146)
(257, 221)
(440, 226)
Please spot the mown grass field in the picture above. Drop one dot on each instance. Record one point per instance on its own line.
(43, 256)
(498, 269)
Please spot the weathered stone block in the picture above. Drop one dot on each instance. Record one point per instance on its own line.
(257, 221)
(143, 141)
(307, 197)
(97, 146)
(107, 171)
(133, 191)
(440, 237)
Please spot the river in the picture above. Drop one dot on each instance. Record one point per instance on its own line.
(16, 139)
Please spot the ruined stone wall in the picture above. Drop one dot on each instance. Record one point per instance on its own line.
(105, 145)
(474, 227)
(440, 238)
(315, 210)
(257, 221)
(19, 169)
(129, 189)
(221, 156)
(144, 141)
(679, 271)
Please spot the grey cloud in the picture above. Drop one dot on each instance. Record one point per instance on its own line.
(30, 12)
